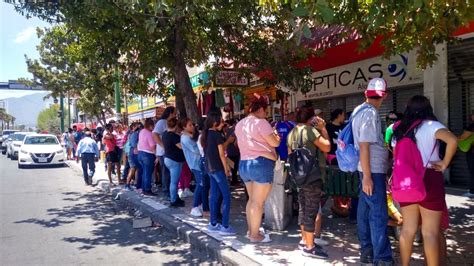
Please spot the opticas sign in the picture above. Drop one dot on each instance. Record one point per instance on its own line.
(398, 71)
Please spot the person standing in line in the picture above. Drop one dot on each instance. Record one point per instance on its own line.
(121, 138)
(193, 156)
(257, 142)
(174, 159)
(88, 153)
(284, 128)
(160, 128)
(218, 170)
(111, 152)
(135, 171)
(428, 132)
(372, 214)
(232, 151)
(69, 143)
(146, 155)
(206, 182)
(309, 194)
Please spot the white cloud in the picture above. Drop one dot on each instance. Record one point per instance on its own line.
(25, 35)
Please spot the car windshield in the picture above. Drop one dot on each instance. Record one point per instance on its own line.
(18, 137)
(8, 132)
(41, 140)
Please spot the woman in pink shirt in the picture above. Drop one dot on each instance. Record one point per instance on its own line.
(257, 141)
(146, 155)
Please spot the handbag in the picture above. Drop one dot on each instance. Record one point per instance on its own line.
(279, 176)
(466, 144)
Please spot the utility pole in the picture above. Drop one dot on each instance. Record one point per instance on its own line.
(118, 108)
(61, 114)
(69, 110)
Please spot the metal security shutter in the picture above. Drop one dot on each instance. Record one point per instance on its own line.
(328, 105)
(461, 102)
(387, 107)
(353, 101)
(402, 96)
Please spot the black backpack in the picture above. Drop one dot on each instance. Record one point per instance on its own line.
(302, 162)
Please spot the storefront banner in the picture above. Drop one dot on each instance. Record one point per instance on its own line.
(399, 70)
(229, 78)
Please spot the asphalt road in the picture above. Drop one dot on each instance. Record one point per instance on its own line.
(49, 217)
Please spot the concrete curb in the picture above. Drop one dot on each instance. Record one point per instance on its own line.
(200, 242)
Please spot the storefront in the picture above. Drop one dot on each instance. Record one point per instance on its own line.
(461, 100)
(343, 86)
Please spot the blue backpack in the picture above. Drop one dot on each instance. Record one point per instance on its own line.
(347, 155)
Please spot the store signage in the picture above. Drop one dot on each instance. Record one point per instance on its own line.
(399, 70)
(230, 78)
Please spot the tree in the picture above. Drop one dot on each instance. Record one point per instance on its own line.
(158, 39)
(48, 120)
(66, 67)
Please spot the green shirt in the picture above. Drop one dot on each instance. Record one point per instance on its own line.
(388, 135)
(310, 134)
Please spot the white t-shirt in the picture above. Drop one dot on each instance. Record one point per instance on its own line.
(160, 128)
(425, 140)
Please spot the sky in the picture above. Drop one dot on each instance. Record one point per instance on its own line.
(17, 38)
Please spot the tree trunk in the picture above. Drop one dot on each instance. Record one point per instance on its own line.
(182, 83)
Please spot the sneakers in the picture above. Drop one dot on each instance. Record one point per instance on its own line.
(128, 187)
(185, 193)
(302, 245)
(227, 231)
(214, 228)
(320, 241)
(196, 212)
(315, 252)
(178, 203)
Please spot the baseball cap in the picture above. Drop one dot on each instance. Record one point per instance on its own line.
(376, 87)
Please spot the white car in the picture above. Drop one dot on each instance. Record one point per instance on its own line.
(13, 146)
(41, 149)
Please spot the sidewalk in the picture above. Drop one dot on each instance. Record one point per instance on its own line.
(343, 248)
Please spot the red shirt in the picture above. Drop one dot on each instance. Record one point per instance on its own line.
(109, 141)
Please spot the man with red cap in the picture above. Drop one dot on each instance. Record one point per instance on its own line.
(372, 216)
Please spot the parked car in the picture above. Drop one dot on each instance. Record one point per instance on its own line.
(41, 149)
(13, 146)
(3, 139)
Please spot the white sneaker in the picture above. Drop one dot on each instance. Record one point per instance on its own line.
(196, 212)
(180, 193)
(187, 193)
(320, 241)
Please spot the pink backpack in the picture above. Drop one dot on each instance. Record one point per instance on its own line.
(408, 169)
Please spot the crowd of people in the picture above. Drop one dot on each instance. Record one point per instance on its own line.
(216, 153)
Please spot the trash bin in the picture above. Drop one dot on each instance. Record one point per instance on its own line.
(278, 206)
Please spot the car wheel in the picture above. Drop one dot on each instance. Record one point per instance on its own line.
(4, 152)
(12, 157)
(8, 155)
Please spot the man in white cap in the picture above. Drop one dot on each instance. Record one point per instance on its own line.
(372, 216)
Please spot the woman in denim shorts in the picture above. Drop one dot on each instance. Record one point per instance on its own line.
(257, 141)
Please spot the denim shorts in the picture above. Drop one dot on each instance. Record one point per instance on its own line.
(133, 160)
(258, 170)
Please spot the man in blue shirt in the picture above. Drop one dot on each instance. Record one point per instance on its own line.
(283, 128)
(88, 152)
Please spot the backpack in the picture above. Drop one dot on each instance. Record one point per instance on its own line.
(347, 155)
(408, 168)
(302, 162)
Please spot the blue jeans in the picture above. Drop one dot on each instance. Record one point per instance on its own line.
(165, 175)
(219, 186)
(147, 163)
(175, 171)
(372, 218)
(201, 195)
(87, 161)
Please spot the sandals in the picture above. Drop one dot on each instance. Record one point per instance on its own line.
(266, 237)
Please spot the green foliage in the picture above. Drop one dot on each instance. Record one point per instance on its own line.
(48, 120)
(404, 25)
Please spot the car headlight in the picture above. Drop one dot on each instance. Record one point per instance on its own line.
(17, 145)
(60, 152)
(24, 152)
